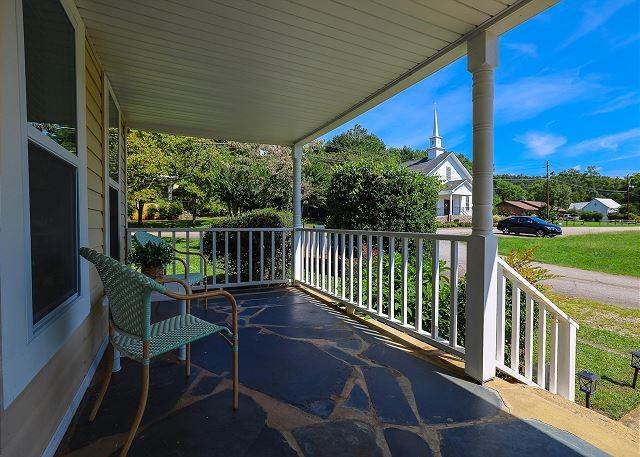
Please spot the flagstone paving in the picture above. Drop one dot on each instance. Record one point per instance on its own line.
(314, 383)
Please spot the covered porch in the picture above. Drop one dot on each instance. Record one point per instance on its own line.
(314, 382)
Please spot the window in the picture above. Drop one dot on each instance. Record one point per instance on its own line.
(467, 200)
(448, 173)
(114, 216)
(54, 241)
(50, 69)
(50, 74)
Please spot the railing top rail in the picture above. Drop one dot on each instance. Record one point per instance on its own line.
(538, 296)
(208, 229)
(428, 236)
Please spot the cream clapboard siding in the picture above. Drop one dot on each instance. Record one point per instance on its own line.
(95, 163)
(53, 388)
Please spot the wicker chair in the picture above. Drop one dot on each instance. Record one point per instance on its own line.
(131, 331)
(190, 278)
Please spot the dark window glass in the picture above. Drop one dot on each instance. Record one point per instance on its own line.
(50, 62)
(114, 133)
(114, 239)
(54, 233)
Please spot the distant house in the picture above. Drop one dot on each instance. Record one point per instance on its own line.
(520, 207)
(455, 198)
(604, 206)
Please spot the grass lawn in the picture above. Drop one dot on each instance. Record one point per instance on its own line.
(606, 337)
(201, 222)
(616, 253)
(598, 224)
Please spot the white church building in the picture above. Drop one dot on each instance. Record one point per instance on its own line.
(454, 200)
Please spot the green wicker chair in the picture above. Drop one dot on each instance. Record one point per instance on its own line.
(131, 331)
(190, 278)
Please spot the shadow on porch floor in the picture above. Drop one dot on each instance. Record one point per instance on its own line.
(313, 382)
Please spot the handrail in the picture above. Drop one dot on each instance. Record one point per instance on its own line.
(417, 235)
(530, 289)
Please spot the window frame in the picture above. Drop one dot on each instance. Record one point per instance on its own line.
(41, 340)
(108, 180)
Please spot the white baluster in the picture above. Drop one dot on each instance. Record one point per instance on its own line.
(351, 267)
(528, 338)
(405, 264)
(261, 255)
(360, 270)
(542, 346)
(273, 255)
(343, 288)
(369, 271)
(501, 315)
(392, 271)
(435, 288)
(553, 356)
(238, 259)
(251, 256)
(453, 279)
(380, 275)
(226, 257)
(419, 277)
(515, 326)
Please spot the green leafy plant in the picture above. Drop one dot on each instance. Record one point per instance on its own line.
(150, 255)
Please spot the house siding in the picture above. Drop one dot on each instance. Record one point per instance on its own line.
(52, 390)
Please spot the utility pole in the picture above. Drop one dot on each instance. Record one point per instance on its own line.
(547, 190)
(628, 192)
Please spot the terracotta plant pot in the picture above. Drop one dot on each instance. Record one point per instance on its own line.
(153, 272)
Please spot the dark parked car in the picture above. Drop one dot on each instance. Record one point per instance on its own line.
(530, 225)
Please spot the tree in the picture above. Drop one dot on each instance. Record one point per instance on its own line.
(381, 196)
(507, 190)
(355, 140)
(145, 163)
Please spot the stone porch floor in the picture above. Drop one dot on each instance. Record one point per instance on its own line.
(314, 382)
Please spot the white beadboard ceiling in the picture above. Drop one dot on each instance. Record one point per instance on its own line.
(277, 71)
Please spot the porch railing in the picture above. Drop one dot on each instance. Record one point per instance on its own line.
(536, 340)
(232, 256)
(413, 282)
(410, 281)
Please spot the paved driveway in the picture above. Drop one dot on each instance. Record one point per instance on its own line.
(617, 290)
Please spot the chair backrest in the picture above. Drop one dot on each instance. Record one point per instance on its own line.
(145, 238)
(128, 291)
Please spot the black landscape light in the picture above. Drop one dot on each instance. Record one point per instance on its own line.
(635, 363)
(587, 384)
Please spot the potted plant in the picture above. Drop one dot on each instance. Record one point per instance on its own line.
(151, 258)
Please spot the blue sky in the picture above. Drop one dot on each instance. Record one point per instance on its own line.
(567, 90)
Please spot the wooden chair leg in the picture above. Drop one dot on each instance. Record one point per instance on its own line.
(141, 407)
(105, 384)
(187, 365)
(235, 372)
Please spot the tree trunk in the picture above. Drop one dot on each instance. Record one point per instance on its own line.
(140, 206)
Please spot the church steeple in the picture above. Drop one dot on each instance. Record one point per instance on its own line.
(435, 141)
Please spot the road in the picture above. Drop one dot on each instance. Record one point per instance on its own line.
(623, 291)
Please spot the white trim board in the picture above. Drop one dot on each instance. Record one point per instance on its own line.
(55, 440)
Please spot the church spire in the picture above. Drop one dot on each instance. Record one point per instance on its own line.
(435, 121)
(435, 141)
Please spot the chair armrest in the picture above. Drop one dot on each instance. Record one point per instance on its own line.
(211, 293)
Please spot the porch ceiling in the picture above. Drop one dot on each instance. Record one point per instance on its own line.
(277, 71)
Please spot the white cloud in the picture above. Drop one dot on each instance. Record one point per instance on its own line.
(527, 97)
(610, 143)
(528, 49)
(595, 14)
(541, 144)
(628, 99)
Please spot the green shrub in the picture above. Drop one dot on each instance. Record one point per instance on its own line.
(590, 216)
(150, 255)
(381, 196)
(170, 211)
(263, 218)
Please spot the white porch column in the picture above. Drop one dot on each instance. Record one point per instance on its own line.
(450, 205)
(480, 337)
(296, 256)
